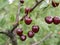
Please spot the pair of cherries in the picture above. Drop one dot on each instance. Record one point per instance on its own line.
(30, 34)
(50, 19)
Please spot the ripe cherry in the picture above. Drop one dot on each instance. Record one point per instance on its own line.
(19, 31)
(30, 34)
(23, 37)
(49, 19)
(55, 4)
(27, 20)
(27, 10)
(22, 1)
(35, 28)
(56, 20)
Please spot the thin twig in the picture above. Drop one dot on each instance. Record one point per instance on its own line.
(36, 1)
(3, 32)
(43, 39)
(36, 5)
(18, 12)
(17, 18)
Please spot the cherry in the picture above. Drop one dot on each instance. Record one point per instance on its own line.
(19, 31)
(55, 4)
(30, 34)
(22, 1)
(23, 37)
(27, 20)
(56, 20)
(49, 19)
(27, 10)
(35, 28)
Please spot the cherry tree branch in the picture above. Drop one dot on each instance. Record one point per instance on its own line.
(36, 5)
(17, 18)
(12, 37)
(43, 39)
(9, 33)
(7, 42)
(18, 12)
(36, 1)
(3, 32)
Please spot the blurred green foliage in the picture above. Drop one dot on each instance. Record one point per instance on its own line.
(8, 17)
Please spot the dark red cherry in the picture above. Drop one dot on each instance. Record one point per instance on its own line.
(56, 20)
(19, 31)
(22, 1)
(23, 37)
(30, 34)
(35, 28)
(55, 4)
(27, 10)
(27, 20)
(48, 19)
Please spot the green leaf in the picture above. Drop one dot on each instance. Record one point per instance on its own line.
(3, 3)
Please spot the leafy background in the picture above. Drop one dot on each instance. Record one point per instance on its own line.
(8, 17)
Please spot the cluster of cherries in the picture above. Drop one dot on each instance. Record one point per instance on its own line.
(50, 19)
(28, 21)
(35, 28)
(30, 34)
